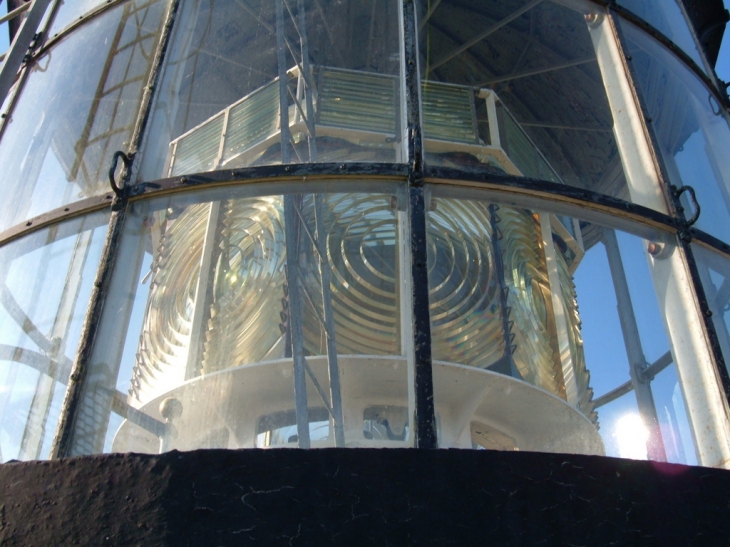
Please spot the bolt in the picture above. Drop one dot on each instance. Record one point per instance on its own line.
(654, 248)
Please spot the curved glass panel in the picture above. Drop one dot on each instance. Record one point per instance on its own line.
(531, 88)
(68, 11)
(77, 107)
(555, 334)
(668, 17)
(213, 337)
(714, 271)
(241, 78)
(47, 278)
(690, 127)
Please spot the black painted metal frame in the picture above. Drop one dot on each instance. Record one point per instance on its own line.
(414, 172)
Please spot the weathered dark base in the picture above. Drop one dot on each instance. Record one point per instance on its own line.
(361, 497)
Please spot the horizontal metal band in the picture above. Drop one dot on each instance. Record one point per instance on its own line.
(528, 192)
(577, 200)
(73, 210)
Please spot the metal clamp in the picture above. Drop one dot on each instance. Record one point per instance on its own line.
(118, 190)
(693, 196)
(34, 43)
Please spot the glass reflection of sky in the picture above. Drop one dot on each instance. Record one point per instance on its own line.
(607, 360)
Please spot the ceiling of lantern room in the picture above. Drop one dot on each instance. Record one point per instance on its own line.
(536, 55)
(542, 65)
(233, 46)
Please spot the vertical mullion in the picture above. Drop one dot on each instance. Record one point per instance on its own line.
(714, 414)
(424, 415)
(684, 239)
(21, 42)
(145, 107)
(72, 401)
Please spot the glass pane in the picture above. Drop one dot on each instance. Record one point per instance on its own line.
(328, 68)
(78, 106)
(68, 11)
(714, 270)
(534, 89)
(690, 127)
(212, 337)
(667, 16)
(555, 340)
(47, 278)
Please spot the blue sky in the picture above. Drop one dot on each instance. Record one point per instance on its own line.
(723, 61)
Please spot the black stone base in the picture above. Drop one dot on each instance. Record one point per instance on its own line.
(361, 497)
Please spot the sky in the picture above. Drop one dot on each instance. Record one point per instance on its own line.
(723, 61)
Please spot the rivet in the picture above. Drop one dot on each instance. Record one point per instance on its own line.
(654, 249)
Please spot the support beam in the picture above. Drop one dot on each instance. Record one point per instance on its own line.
(18, 49)
(481, 36)
(295, 320)
(536, 72)
(634, 350)
(329, 322)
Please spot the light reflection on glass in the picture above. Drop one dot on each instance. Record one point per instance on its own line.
(632, 436)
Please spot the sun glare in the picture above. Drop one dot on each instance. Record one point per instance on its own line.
(631, 435)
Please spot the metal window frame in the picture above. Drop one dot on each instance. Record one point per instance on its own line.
(685, 233)
(517, 190)
(414, 173)
(710, 80)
